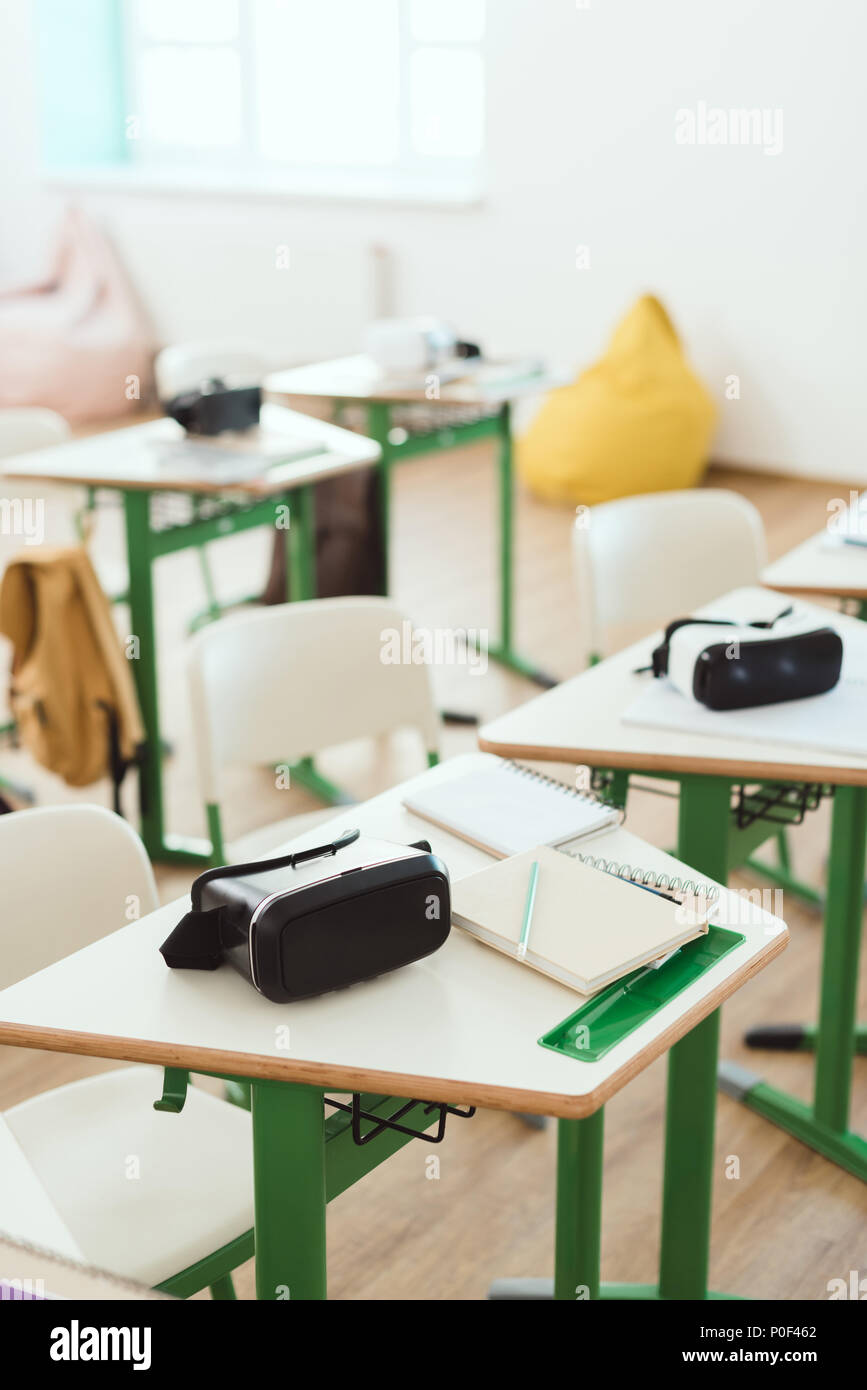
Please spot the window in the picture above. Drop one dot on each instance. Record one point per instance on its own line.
(336, 96)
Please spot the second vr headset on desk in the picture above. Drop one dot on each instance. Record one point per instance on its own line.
(727, 665)
(317, 919)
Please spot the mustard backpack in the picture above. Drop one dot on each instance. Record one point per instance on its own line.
(638, 421)
(72, 694)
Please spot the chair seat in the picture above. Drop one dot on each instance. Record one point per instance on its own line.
(269, 838)
(26, 1212)
(142, 1193)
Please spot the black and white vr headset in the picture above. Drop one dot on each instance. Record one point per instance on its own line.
(728, 665)
(318, 919)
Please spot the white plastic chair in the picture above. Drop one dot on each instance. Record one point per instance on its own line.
(30, 428)
(649, 559)
(646, 560)
(70, 875)
(284, 683)
(184, 366)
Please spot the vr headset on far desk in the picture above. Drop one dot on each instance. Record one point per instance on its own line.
(727, 665)
(215, 407)
(318, 919)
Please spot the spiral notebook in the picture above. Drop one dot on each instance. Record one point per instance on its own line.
(508, 808)
(588, 929)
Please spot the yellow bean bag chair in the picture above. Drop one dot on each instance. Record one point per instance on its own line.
(637, 421)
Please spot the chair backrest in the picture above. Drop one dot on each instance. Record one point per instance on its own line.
(24, 429)
(292, 680)
(69, 875)
(645, 560)
(184, 366)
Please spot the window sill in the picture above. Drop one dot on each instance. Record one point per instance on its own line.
(186, 182)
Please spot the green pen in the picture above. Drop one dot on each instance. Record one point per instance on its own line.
(528, 908)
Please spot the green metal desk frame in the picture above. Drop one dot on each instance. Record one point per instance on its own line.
(145, 545)
(497, 426)
(303, 1160)
(705, 834)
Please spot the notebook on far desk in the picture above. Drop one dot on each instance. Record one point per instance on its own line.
(835, 722)
(508, 808)
(232, 457)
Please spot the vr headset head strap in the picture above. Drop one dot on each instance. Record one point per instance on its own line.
(196, 943)
(659, 657)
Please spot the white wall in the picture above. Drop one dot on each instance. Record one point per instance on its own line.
(758, 257)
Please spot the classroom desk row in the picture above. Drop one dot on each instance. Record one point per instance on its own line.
(464, 1046)
(142, 462)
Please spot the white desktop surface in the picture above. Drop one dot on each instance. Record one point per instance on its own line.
(581, 720)
(130, 458)
(358, 378)
(816, 567)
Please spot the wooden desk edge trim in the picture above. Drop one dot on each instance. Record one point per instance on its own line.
(664, 762)
(332, 1077)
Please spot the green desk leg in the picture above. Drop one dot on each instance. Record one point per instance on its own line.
(824, 1126)
(503, 650)
(301, 544)
(843, 922)
(692, 1062)
(289, 1190)
(140, 560)
(579, 1217)
(689, 1130)
(143, 630)
(579, 1208)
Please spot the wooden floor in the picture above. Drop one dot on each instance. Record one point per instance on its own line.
(790, 1221)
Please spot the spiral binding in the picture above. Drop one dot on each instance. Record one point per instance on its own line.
(646, 878)
(589, 796)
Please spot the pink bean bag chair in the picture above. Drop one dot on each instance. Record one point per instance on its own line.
(80, 342)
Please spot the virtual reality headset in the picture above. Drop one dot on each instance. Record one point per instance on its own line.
(216, 407)
(318, 919)
(728, 665)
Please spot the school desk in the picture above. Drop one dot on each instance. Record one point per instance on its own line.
(463, 412)
(580, 722)
(132, 462)
(818, 569)
(459, 1027)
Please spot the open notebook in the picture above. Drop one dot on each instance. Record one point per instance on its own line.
(505, 809)
(588, 928)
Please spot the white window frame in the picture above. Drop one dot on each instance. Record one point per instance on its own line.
(411, 178)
